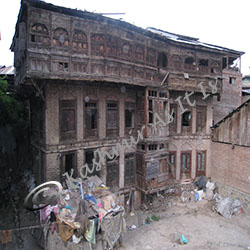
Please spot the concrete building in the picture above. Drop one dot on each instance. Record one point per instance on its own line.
(95, 82)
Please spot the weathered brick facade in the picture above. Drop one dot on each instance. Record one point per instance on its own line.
(231, 94)
(231, 154)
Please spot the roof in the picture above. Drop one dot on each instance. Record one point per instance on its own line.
(246, 91)
(231, 113)
(151, 32)
(190, 40)
(9, 70)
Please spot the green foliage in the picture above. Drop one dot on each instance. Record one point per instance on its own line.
(148, 220)
(155, 217)
(11, 110)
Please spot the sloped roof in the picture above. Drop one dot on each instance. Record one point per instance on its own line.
(231, 113)
(190, 40)
(9, 70)
(151, 32)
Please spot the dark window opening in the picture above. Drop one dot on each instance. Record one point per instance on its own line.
(162, 60)
(152, 147)
(203, 62)
(113, 173)
(68, 162)
(91, 115)
(33, 38)
(63, 66)
(89, 157)
(152, 93)
(212, 70)
(129, 175)
(186, 119)
(161, 146)
(189, 60)
(163, 95)
(143, 146)
(224, 62)
(165, 105)
(67, 119)
(150, 111)
(173, 112)
(232, 61)
(232, 80)
(129, 115)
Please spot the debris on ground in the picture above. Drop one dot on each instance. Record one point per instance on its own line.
(210, 187)
(201, 183)
(85, 210)
(183, 239)
(226, 206)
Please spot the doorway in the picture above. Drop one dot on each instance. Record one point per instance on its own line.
(68, 162)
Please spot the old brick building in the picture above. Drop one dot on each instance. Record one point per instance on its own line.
(95, 82)
(231, 154)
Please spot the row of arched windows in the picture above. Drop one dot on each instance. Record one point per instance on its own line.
(110, 45)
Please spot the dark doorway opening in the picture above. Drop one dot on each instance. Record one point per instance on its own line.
(69, 162)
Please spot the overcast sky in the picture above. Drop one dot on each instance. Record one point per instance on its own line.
(220, 22)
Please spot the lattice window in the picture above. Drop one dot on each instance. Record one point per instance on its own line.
(112, 46)
(61, 37)
(80, 42)
(39, 34)
(139, 53)
(201, 118)
(201, 163)
(97, 44)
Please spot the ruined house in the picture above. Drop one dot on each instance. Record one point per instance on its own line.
(94, 81)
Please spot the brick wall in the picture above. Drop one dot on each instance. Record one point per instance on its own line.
(230, 166)
(231, 94)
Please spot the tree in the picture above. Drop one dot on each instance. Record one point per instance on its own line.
(11, 110)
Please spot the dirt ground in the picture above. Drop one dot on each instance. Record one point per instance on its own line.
(203, 228)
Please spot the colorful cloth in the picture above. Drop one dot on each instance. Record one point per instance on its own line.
(65, 230)
(45, 212)
(113, 226)
(90, 233)
(6, 237)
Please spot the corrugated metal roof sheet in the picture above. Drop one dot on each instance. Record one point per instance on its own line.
(247, 91)
(9, 70)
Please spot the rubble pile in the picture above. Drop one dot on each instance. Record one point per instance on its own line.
(85, 210)
(204, 189)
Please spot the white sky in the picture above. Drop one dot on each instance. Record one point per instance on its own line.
(220, 22)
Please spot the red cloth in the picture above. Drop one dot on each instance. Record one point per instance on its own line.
(6, 236)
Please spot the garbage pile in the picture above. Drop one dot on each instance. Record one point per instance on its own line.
(227, 207)
(84, 209)
(205, 189)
